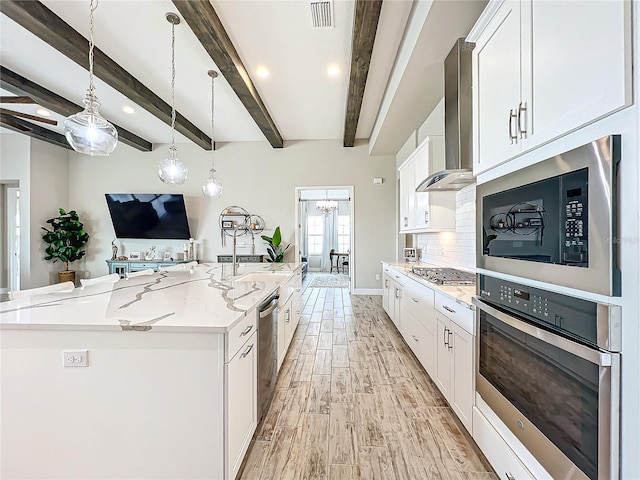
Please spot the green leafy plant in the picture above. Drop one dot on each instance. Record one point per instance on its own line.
(275, 249)
(66, 238)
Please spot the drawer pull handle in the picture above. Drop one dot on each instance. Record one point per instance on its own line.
(448, 309)
(246, 330)
(415, 338)
(509, 476)
(397, 276)
(414, 299)
(246, 352)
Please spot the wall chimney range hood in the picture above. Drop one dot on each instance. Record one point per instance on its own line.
(457, 123)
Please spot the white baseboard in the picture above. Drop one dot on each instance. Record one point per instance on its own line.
(367, 291)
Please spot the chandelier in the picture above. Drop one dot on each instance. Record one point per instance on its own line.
(327, 206)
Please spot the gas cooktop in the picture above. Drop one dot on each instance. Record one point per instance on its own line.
(445, 276)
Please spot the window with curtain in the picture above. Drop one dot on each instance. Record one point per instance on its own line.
(344, 228)
(315, 231)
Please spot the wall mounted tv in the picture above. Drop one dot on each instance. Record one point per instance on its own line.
(157, 216)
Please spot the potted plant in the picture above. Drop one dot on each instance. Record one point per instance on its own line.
(65, 241)
(275, 249)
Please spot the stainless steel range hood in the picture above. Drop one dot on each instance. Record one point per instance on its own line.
(457, 123)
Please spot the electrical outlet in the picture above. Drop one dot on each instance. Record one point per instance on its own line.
(75, 358)
(377, 276)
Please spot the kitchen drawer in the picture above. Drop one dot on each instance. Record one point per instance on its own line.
(241, 258)
(143, 266)
(461, 315)
(419, 301)
(239, 334)
(421, 342)
(503, 460)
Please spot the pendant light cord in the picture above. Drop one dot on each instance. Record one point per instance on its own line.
(173, 83)
(92, 9)
(213, 165)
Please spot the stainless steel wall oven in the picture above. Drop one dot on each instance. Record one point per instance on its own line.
(556, 221)
(548, 367)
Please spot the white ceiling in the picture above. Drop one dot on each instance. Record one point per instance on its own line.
(304, 102)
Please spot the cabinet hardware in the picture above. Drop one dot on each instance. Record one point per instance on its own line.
(426, 217)
(445, 337)
(246, 352)
(406, 221)
(513, 115)
(414, 299)
(449, 340)
(522, 108)
(386, 283)
(287, 315)
(246, 330)
(509, 476)
(448, 309)
(415, 338)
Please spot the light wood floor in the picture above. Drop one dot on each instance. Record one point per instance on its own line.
(353, 402)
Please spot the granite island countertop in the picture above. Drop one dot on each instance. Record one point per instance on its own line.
(462, 294)
(205, 298)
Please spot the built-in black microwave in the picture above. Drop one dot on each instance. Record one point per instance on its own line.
(555, 221)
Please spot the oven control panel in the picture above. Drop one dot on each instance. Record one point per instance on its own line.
(575, 218)
(571, 315)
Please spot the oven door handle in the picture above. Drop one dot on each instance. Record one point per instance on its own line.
(592, 355)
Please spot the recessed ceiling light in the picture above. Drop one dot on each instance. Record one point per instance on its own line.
(262, 72)
(43, 111)
(128, 109)
(333, 71)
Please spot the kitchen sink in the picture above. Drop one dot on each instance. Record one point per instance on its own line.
(264, 277)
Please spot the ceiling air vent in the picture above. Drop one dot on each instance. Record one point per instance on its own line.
(322, 14)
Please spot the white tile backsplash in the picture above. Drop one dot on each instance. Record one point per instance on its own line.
(457, 249)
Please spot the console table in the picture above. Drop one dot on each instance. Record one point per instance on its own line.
(122, 267)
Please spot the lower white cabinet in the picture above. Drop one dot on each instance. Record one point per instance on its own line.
(443, 371)
(421, 341)
(392, 291)
(241, 411)
(503, 460)
(290, 308)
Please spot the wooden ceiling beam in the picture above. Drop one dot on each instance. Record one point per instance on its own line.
(20, 85)
(35, 131)
(10, 99)
(206, 25)
(365, 25)
(28, 116)
(46, 25)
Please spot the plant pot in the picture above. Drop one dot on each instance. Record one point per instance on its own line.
(67, 276)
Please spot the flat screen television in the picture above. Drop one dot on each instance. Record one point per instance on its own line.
(156, 216)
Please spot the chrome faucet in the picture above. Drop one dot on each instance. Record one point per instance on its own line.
(234, 259)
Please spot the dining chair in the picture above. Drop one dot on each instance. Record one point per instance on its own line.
(345, 265)
(31, 292)
(111, 278)
(331, 255)
(139, 273)
(179, 267)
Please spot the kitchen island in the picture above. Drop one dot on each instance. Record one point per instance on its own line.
(167, 354)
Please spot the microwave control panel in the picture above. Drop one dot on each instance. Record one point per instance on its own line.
(575, 218)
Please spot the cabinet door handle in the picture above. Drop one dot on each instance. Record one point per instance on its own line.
(445, 337)
(513, 115)
(287, 316)
(449, 340)
(246, 352)
(448, 309)
(246, 330)
(522, 108)
(415, 338)
(509, 476)
(406, 221)
(426, 217)
(386, 283)
(414, 299)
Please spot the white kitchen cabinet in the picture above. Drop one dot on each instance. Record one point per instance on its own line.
(425, 211)
(289, 306)
(241, 412)
(419, 323)
(393, 290)
(386, 292)
(455, 357)
(543, 69)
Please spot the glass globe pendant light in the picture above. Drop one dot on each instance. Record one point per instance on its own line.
(171, 170)
(211, 188)
(87, 131)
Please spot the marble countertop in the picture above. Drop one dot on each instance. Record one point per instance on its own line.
(204, 298)
(462, 294)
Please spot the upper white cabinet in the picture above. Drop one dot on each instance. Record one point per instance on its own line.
(423, 212)
(543, 69)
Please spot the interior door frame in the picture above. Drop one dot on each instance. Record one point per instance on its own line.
(352, 230)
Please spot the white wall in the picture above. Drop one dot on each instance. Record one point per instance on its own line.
(256, 177)
(49, 192)
(454, 249)
(14, 167)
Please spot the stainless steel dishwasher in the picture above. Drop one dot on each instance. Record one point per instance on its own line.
(267, 352)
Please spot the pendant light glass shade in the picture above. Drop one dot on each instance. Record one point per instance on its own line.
(87, 131)
(211, 188)
(171, 170)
